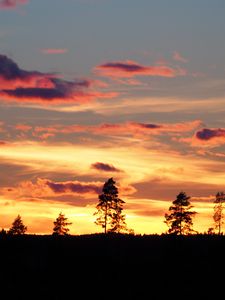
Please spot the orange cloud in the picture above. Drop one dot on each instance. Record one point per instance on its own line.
(23, 127)
(126, 69)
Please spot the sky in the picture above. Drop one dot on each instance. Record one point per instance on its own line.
(94, 89)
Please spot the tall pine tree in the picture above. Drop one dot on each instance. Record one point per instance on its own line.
(61, 225)
(109, 209)
(179, 218)
(17, 228)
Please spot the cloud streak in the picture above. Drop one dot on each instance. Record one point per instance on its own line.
(127, 129)
(54, 50)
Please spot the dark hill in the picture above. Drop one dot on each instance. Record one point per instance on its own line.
(111, 267)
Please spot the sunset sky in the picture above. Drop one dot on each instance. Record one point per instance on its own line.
(93, 89)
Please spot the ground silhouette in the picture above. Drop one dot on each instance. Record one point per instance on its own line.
(112, 266)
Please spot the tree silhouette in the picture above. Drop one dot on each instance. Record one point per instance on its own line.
(17, 227)
(3, 232)
(117, 221)
(109, 208)
(179, 220)
(60, 225)
(218, 211)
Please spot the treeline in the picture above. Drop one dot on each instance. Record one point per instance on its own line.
(109, 215)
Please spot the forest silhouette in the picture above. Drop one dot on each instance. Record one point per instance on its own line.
(117, 263)
(109, 215)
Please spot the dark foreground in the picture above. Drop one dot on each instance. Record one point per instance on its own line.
(111, 267)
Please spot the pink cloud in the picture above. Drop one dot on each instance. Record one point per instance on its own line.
(11, 4)
(178, 57)
(147, 128)
(54, 50)
(126, 69)
(33, 86)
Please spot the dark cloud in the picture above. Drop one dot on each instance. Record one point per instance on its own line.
(104, 167)
(61, 89)
(149, 126)
(74, 187)
(124, 69)
(124, 66)
(9, 70)
(208, 134)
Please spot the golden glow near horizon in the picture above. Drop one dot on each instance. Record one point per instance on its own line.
(143, 215)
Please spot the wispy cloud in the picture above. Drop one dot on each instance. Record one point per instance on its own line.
(54, 50)
(134, 129)
(178, 57)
